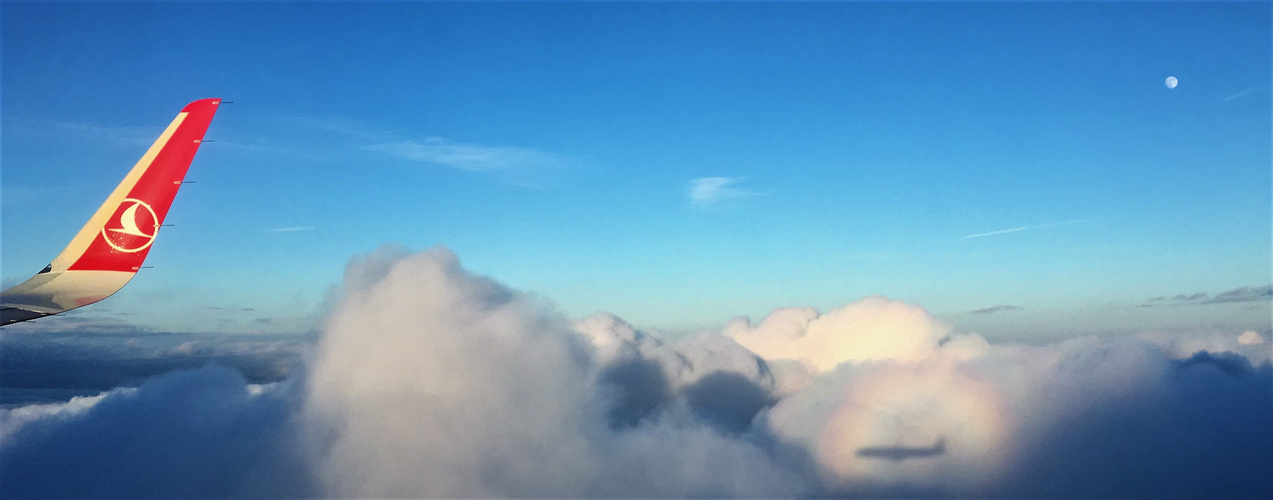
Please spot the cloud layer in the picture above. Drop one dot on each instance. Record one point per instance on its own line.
(431, 381)
(1237, 295)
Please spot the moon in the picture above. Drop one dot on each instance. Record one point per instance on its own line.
(1171, 82)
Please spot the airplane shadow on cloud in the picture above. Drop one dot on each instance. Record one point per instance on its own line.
(899, 453)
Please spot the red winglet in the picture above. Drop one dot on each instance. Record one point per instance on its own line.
(124, 241)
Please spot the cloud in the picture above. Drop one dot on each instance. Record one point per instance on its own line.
(467, 157)
(1022, 228)
(1244, 294)
(873, 328)
(46, 365)
(232, 309)
(995, 309)
(187, 433)
(97, 320)
(1248, 344)
(115, 135)
(1237, 295)
(342, 126)
(432, 381)
(437, 382)
(707, 192)
(13, 420)
(262, 146)
(1249, 337)
(520, 166)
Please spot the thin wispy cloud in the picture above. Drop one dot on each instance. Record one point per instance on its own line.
(117, 135)
(232, 309)
(1243, 93)
(141, 137)
(290, 229)
(1237, 295)
(343, 126)
(517, 165)
(264, 147)
(707, 192)
(1019, 229)
(996, 309)
(467, 157)
(1244, 294)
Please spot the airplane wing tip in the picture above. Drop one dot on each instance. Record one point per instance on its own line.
(98, 262)
(210, 102)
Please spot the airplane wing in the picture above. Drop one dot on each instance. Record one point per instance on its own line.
(108, 251)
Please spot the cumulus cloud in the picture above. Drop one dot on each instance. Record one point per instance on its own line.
(1249, 337)
(712, 191)
(1248, 344)
(12, 420)
(873, 328)
(900, 428)
(435, 382)
(432, 381)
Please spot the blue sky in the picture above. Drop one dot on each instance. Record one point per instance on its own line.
(839, 151)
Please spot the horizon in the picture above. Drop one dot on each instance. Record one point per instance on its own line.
(650, 250)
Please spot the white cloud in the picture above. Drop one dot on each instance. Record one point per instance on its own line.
(436, 382)
(517, 165)
(432, 381)
(1249, 337)
(13, 420)
(873, 328)
(712, 191)
(1184, 345)
(955, 423)
(468, 157)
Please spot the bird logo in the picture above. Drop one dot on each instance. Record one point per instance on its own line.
(129, 236)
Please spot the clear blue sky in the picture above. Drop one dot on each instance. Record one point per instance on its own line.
(855, 149)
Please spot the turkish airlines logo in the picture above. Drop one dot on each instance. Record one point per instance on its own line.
(128, 236)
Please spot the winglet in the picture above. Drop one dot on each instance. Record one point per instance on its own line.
(111, 247)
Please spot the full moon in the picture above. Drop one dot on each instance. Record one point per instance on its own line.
(1172, 82)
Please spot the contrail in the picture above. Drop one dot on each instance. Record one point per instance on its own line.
(1242, 94)
(1022, 228)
